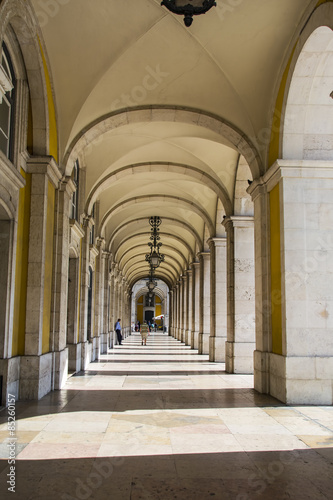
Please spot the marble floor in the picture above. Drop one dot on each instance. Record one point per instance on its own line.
(161, 422)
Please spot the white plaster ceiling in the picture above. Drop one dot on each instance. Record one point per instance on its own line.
(109, 55)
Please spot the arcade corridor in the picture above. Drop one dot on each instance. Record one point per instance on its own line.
(162, 422)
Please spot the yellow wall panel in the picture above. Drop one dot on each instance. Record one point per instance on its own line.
(140, 313)
(276, 270)
(21, 274)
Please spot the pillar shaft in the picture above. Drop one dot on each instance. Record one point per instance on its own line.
(204, 332)
(218, 335)
(241, 294)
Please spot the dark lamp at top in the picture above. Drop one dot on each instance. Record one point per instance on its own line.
(189, 8)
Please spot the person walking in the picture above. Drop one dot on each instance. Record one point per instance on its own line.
(144, 333)
(118, 331)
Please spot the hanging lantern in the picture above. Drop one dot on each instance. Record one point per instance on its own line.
(189, 8)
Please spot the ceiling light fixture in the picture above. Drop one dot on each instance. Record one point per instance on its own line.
(189, 8)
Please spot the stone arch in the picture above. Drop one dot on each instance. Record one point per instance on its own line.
(143, 291)
(18, 18)
(195, 173)
(166, 113)
(175, 222)
(169, 235)
(308, 124)
(158, 198)
(143, 246)
(172, 272)
(142, 275)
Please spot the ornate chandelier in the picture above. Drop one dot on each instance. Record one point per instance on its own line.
(189, 8)
(154, 257)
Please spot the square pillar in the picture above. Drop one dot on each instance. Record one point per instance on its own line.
(301, 256)
(241, 294)
(196, 305)
(37, 364)
(218, 334)
(189, 302)
(204, 332)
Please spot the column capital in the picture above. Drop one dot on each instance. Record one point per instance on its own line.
(67, 185)
(203, 255)
(238, 221)
(105, 254)
(195, 264)
(100, 243)
(217, 242)
(45, 165)
(87, 221)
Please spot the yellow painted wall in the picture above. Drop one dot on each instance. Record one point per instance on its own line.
(276, 270)
(53, 134)
(158, 309)
(140, 313)
(157, 300)
(48, 268)
(21, 273)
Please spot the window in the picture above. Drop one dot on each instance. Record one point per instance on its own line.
(7, 104)
(75, 195)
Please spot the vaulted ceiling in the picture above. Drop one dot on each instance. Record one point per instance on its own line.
(160, 114)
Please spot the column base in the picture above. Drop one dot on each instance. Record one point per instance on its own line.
(74, 357)
(104, 343)
(203, 343)
(35, 376)
(301, 380)
(195, 339)
(111, 339)
(217, 349)
(86, 354)
(261, 371)
(10, 372)
(239, 357)
(188, 337)
(95, 341)
(60, 369)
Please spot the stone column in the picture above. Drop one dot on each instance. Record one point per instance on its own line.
(104, 302)
(112, 320)
(301, 285)
(169, 312)
(73, 299)
(218, 311)
(204, 333)
(178, 334)
(37, 363)
(260, 198)
(174, 308)
(98, 298)
(241, 294)
(58, 338)
(183, 307)
(88, 258)
(188, 320)
(197, 305)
